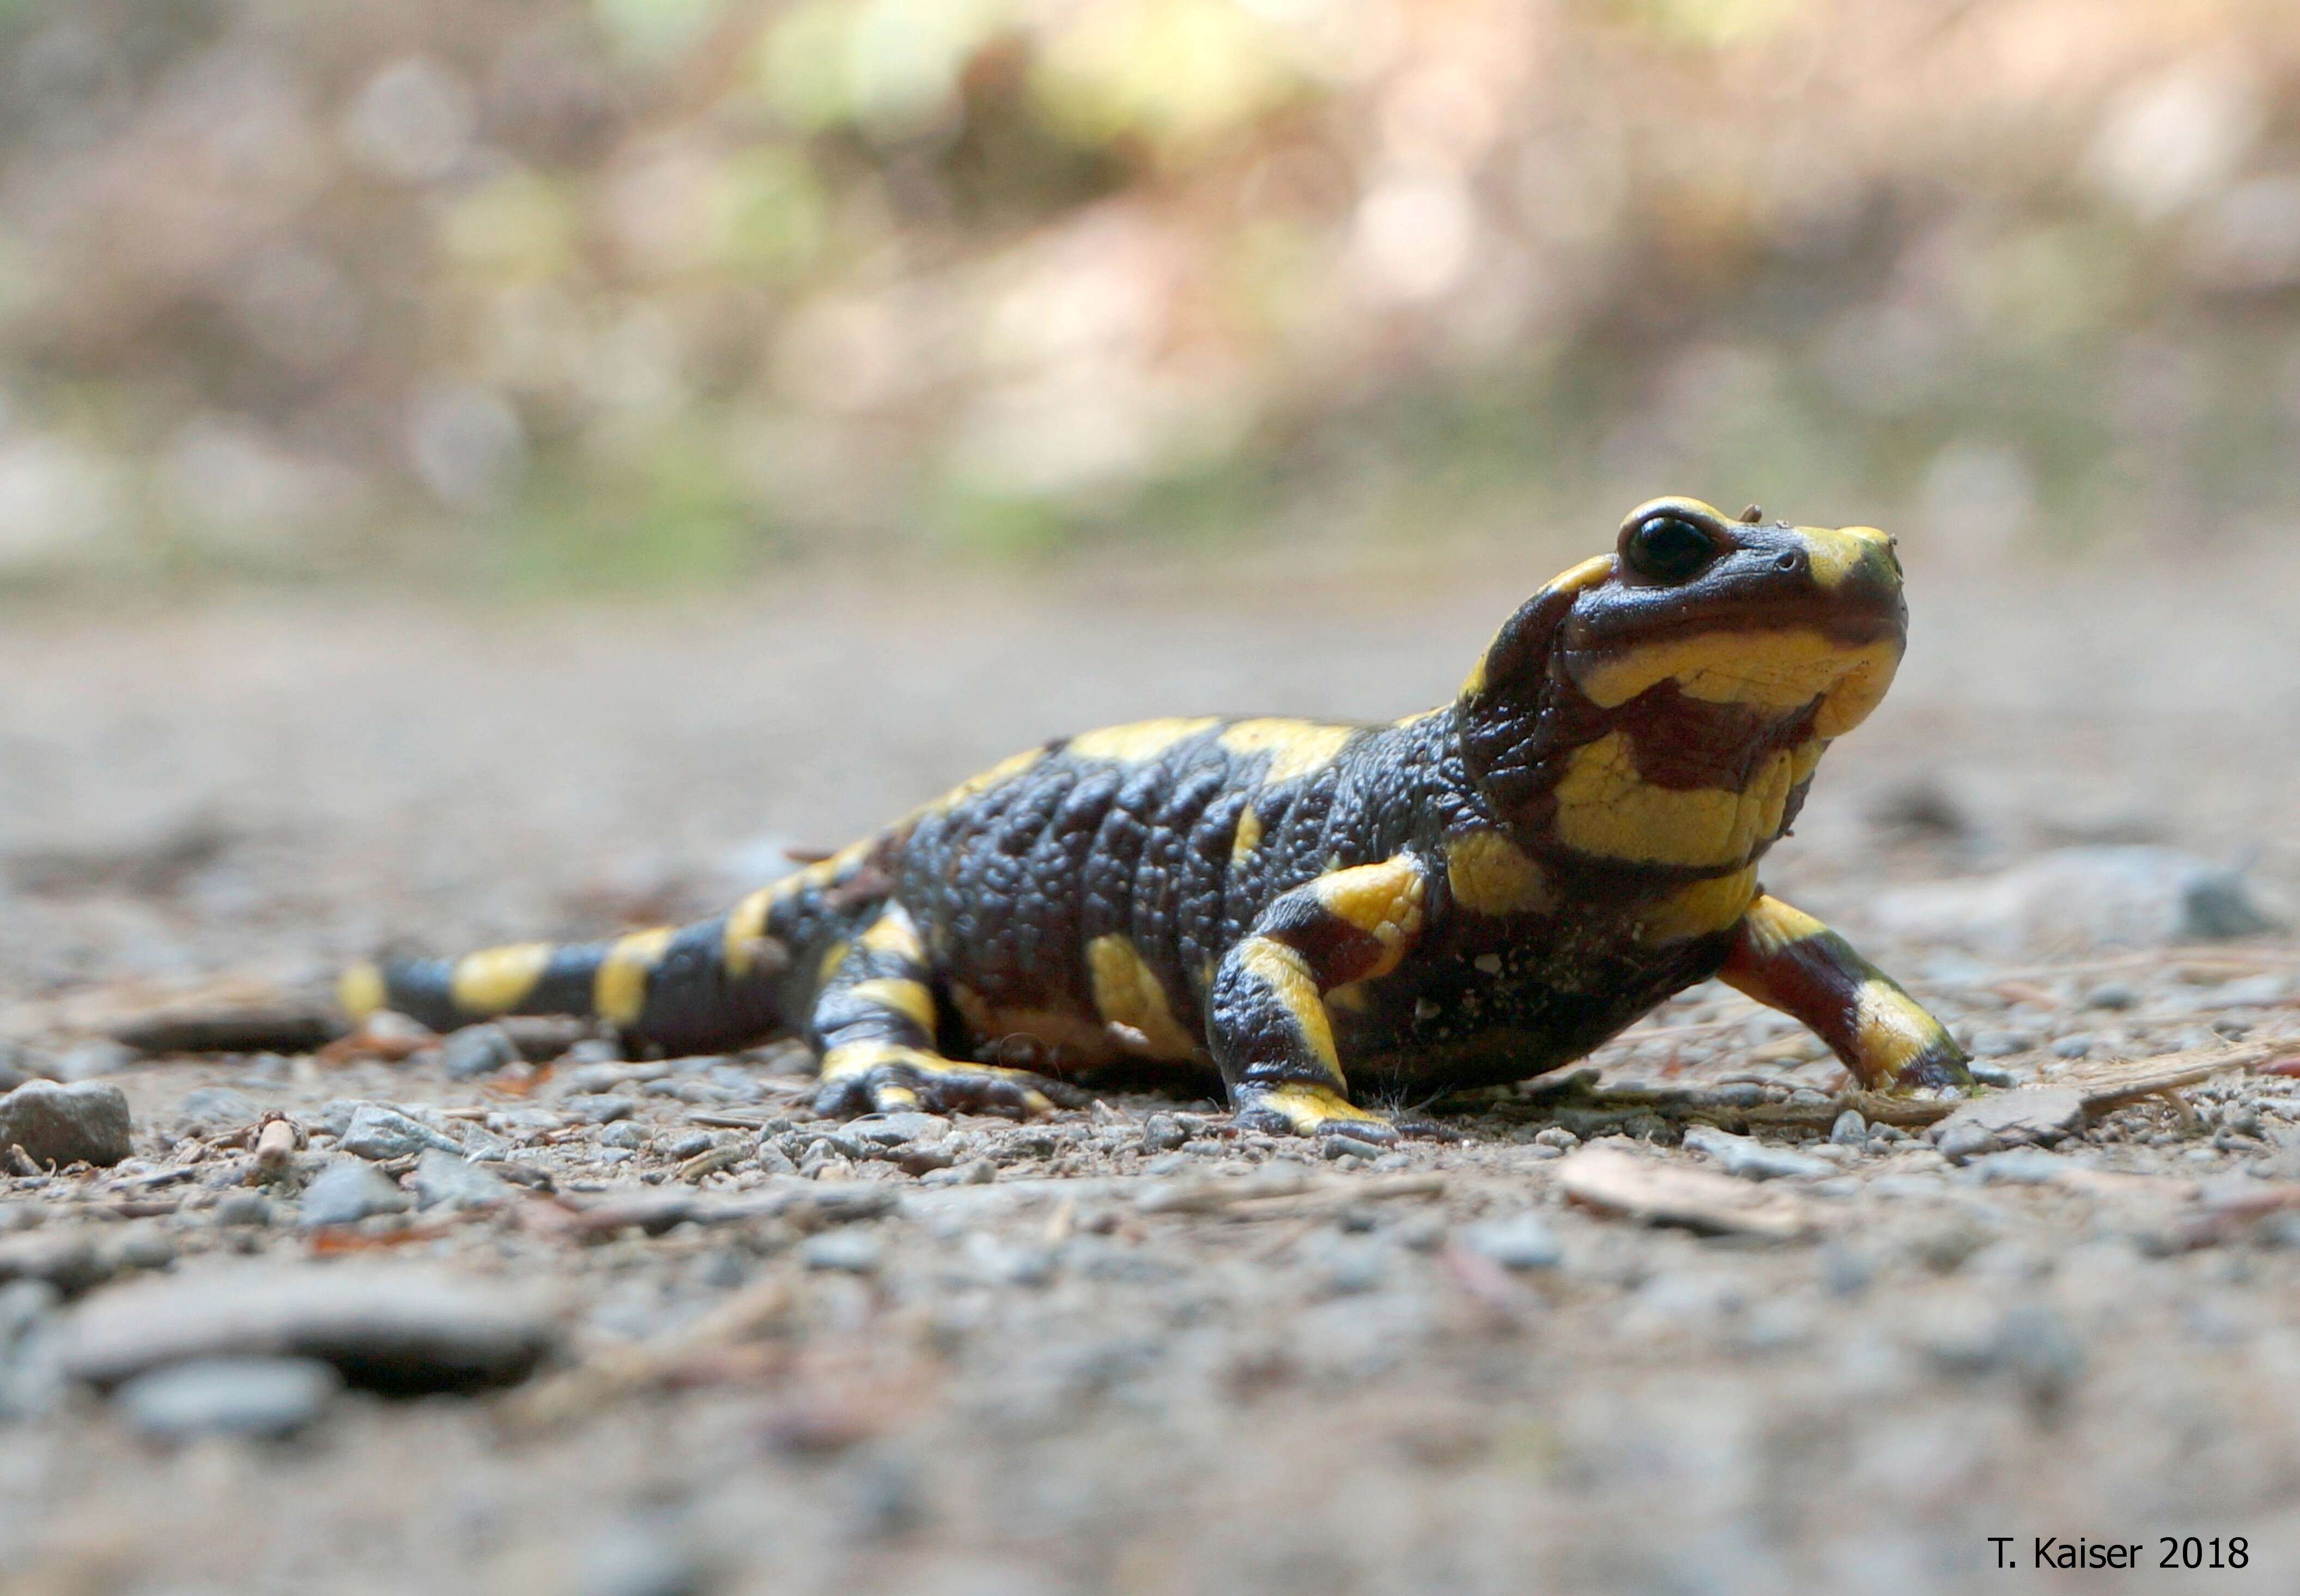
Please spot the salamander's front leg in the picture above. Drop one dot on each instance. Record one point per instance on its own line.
(874, 1022)
(1789, 960)
(1268, 1020)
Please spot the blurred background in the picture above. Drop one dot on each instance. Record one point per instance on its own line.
(553, 295)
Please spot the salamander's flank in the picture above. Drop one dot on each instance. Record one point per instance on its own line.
(1321, 914)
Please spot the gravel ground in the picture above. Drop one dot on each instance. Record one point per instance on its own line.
(515, 1314)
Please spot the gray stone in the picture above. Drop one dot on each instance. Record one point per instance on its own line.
(2111, 995)
(261, 1397)
(68, 1261)
(66, 1124)
(446, 1180)
(688, 1145)
(643, 1559)
(217, 1108)
(19, 1064)
(1520, 1242)
(1162, 1132)
(1850, 1130)
(850, 1252)
(242, 1208)
(2021, 1166)
(600, 1108)
(1350, 1147)
(2029, 1115)
(892, 1130)
(346, 1192)
(627, 1134)
(90, 1059)
(476, 1050)
(379, 1131)
(1753, 1159)
(386, 1327)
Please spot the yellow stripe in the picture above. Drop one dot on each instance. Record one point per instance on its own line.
(893, 933)
(1141, 740)
(1384, 901)
(1773, 925)
(1307, 1106)
(1295, 747)
(1286, 974)
(619, 989)
(910, 999)
(1604, 808)
(1702, 908)
(495, 980)
(745, 927)
(1890, 1030)
(1773, 670)
(361, 992)
(1131, 1000)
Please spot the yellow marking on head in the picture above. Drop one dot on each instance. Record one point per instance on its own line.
(1286, 974)
(1004, 770)
(1491, 875)
(1682, 502)
(1306, 1106)
(894, 933)
(1587, 574)
(747, 927)
(1705, 907)
(1133, 1002)
(361, 991)
(832, 958)
(1835, 551)
(909, 999)
(1141, 740)
(619, 989)
(1604, 808)
(1248, 838)
(1384, 901)
(1769, 671)
(497, 980)
(1474, 683)
(1295, 747)
(1773, 925)
(1890, 1031)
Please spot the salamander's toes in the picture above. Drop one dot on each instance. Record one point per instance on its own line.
(1303, 1110)
(901, 1079)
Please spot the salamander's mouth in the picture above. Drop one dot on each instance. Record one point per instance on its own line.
(1784, 671)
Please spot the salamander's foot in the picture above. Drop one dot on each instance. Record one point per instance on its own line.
(1303, 1110)
(1939, 1071)
(883, 1078)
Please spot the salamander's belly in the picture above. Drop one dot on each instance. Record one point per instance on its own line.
(1462, 1018)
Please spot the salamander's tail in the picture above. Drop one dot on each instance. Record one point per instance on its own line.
(699, 988)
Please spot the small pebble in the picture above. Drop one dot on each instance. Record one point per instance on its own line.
(264, 1398)
(1353, 1148)
(1753, 1159)
(627, 1134)
(346, 1192)
(476, 1050)
(600, 1108)
(67, 1124)
(446, 1180)
(2111, 994)
(1520, 1242)
(849, 1252)
(1850, 1130)
(242, 1208)
(379, 1132)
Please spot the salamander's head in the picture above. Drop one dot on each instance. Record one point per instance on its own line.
(1666, 703)
(1746, 612)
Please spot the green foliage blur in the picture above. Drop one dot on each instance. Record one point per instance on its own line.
(543, 295)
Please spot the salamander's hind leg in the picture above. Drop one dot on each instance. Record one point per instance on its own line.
(874, 1023)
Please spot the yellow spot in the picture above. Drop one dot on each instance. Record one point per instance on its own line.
(1349, 998)
(832, 958)
(361, 991)
(1307, 1106)
(496, 980)
(1604, 808)
(1383, 901)
(1834, 551)
(1706, 906)
(1491, 875)
(855, 1058)
(892, 933)
(910, 999)
(1286, 974)
(1131, 1001)
(1698, 508)
(1587, 574)
(1772, 925)
(1771, 671)
(1889, 1032)
(1295, 747)
(1142, 740)
(1474, 683)
(1004, 770)
(1248, 838)
(745, 928)
(619, 989)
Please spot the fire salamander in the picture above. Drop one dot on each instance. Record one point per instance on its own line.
(1326, 915)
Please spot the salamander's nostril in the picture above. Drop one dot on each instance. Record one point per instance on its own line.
(1788, 560)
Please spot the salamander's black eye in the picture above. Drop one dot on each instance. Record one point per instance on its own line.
(1669, 548)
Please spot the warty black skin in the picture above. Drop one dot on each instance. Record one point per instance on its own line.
(1478, 894)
